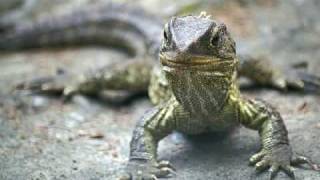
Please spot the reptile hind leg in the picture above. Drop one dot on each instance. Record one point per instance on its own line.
(261, 70)
(133, 75)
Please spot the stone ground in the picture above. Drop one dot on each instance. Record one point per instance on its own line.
(43, 138)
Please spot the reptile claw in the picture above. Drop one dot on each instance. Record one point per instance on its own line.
(289, 171)
(166, 171)
(276, 158)
(305, 160)
(148, 170)
(125, 177)
(262, 165)
(255, 158)
(273, 171)
(162, 164)
(154, 177)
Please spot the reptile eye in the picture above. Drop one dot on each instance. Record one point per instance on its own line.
(214, 40)
(165, 35)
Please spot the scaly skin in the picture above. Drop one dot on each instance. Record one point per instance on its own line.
(13, 11)
(114, 25)
(194, 89)
(204, 97)
(129, 28)
(126, 27)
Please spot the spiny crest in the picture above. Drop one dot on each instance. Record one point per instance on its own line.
(203, 14)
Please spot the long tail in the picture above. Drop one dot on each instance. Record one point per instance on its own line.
(111, 25)
(16, 11)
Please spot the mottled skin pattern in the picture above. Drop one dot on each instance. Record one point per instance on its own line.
(14, 10)
(129, 28)
(194, 87)
(116, 25)
(199, 62)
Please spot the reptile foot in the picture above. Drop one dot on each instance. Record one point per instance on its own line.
(275, 159)
(62, 84)
(137, 170)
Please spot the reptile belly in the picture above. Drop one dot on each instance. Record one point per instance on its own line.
(223, 121)
(197, 126)
(199, 92)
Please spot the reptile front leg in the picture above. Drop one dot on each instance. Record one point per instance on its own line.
(154, 125)
(276, 152)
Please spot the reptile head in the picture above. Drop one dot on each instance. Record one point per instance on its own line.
(196, 40)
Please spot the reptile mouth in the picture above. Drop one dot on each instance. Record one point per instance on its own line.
(196, 61)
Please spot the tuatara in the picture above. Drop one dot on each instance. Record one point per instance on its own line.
(194, 86)
(134, 31)
(196, 92)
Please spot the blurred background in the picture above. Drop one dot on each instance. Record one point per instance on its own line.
(87, 138)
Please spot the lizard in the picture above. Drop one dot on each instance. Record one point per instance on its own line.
(199, 64)
(193, 85)
(134, 31)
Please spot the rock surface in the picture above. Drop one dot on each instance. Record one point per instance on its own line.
(42, 138)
